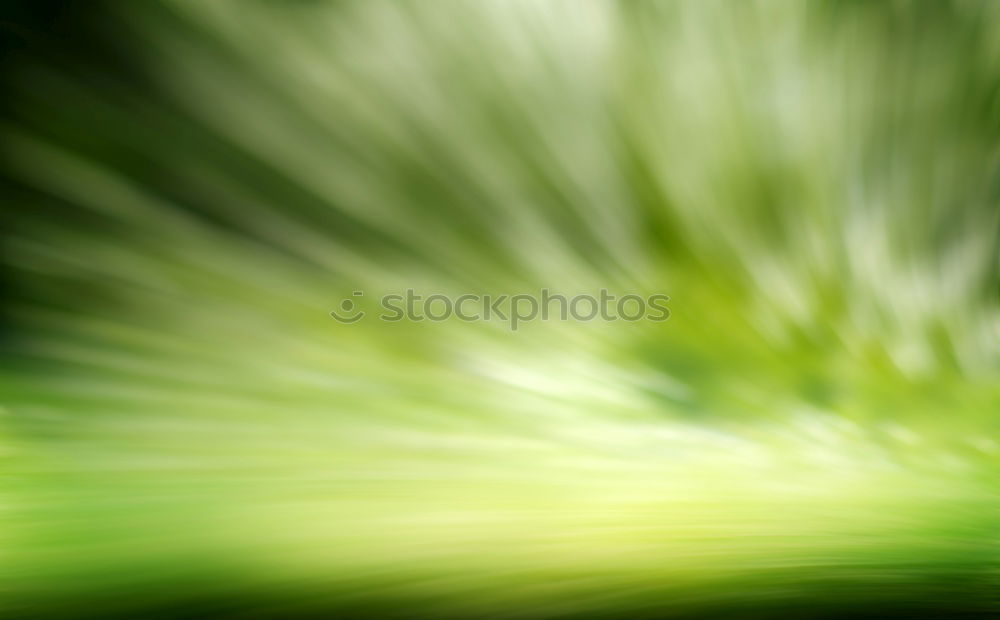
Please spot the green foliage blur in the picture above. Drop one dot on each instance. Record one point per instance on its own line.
(193, 187)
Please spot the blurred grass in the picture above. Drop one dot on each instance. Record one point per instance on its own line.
(813, 433)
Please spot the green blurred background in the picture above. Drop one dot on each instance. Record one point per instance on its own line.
(193, 186)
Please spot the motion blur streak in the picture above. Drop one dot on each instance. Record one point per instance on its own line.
(195, 185)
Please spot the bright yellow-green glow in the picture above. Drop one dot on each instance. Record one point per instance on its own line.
(813, 431)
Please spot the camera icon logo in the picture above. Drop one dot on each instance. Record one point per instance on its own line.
(347, 312)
